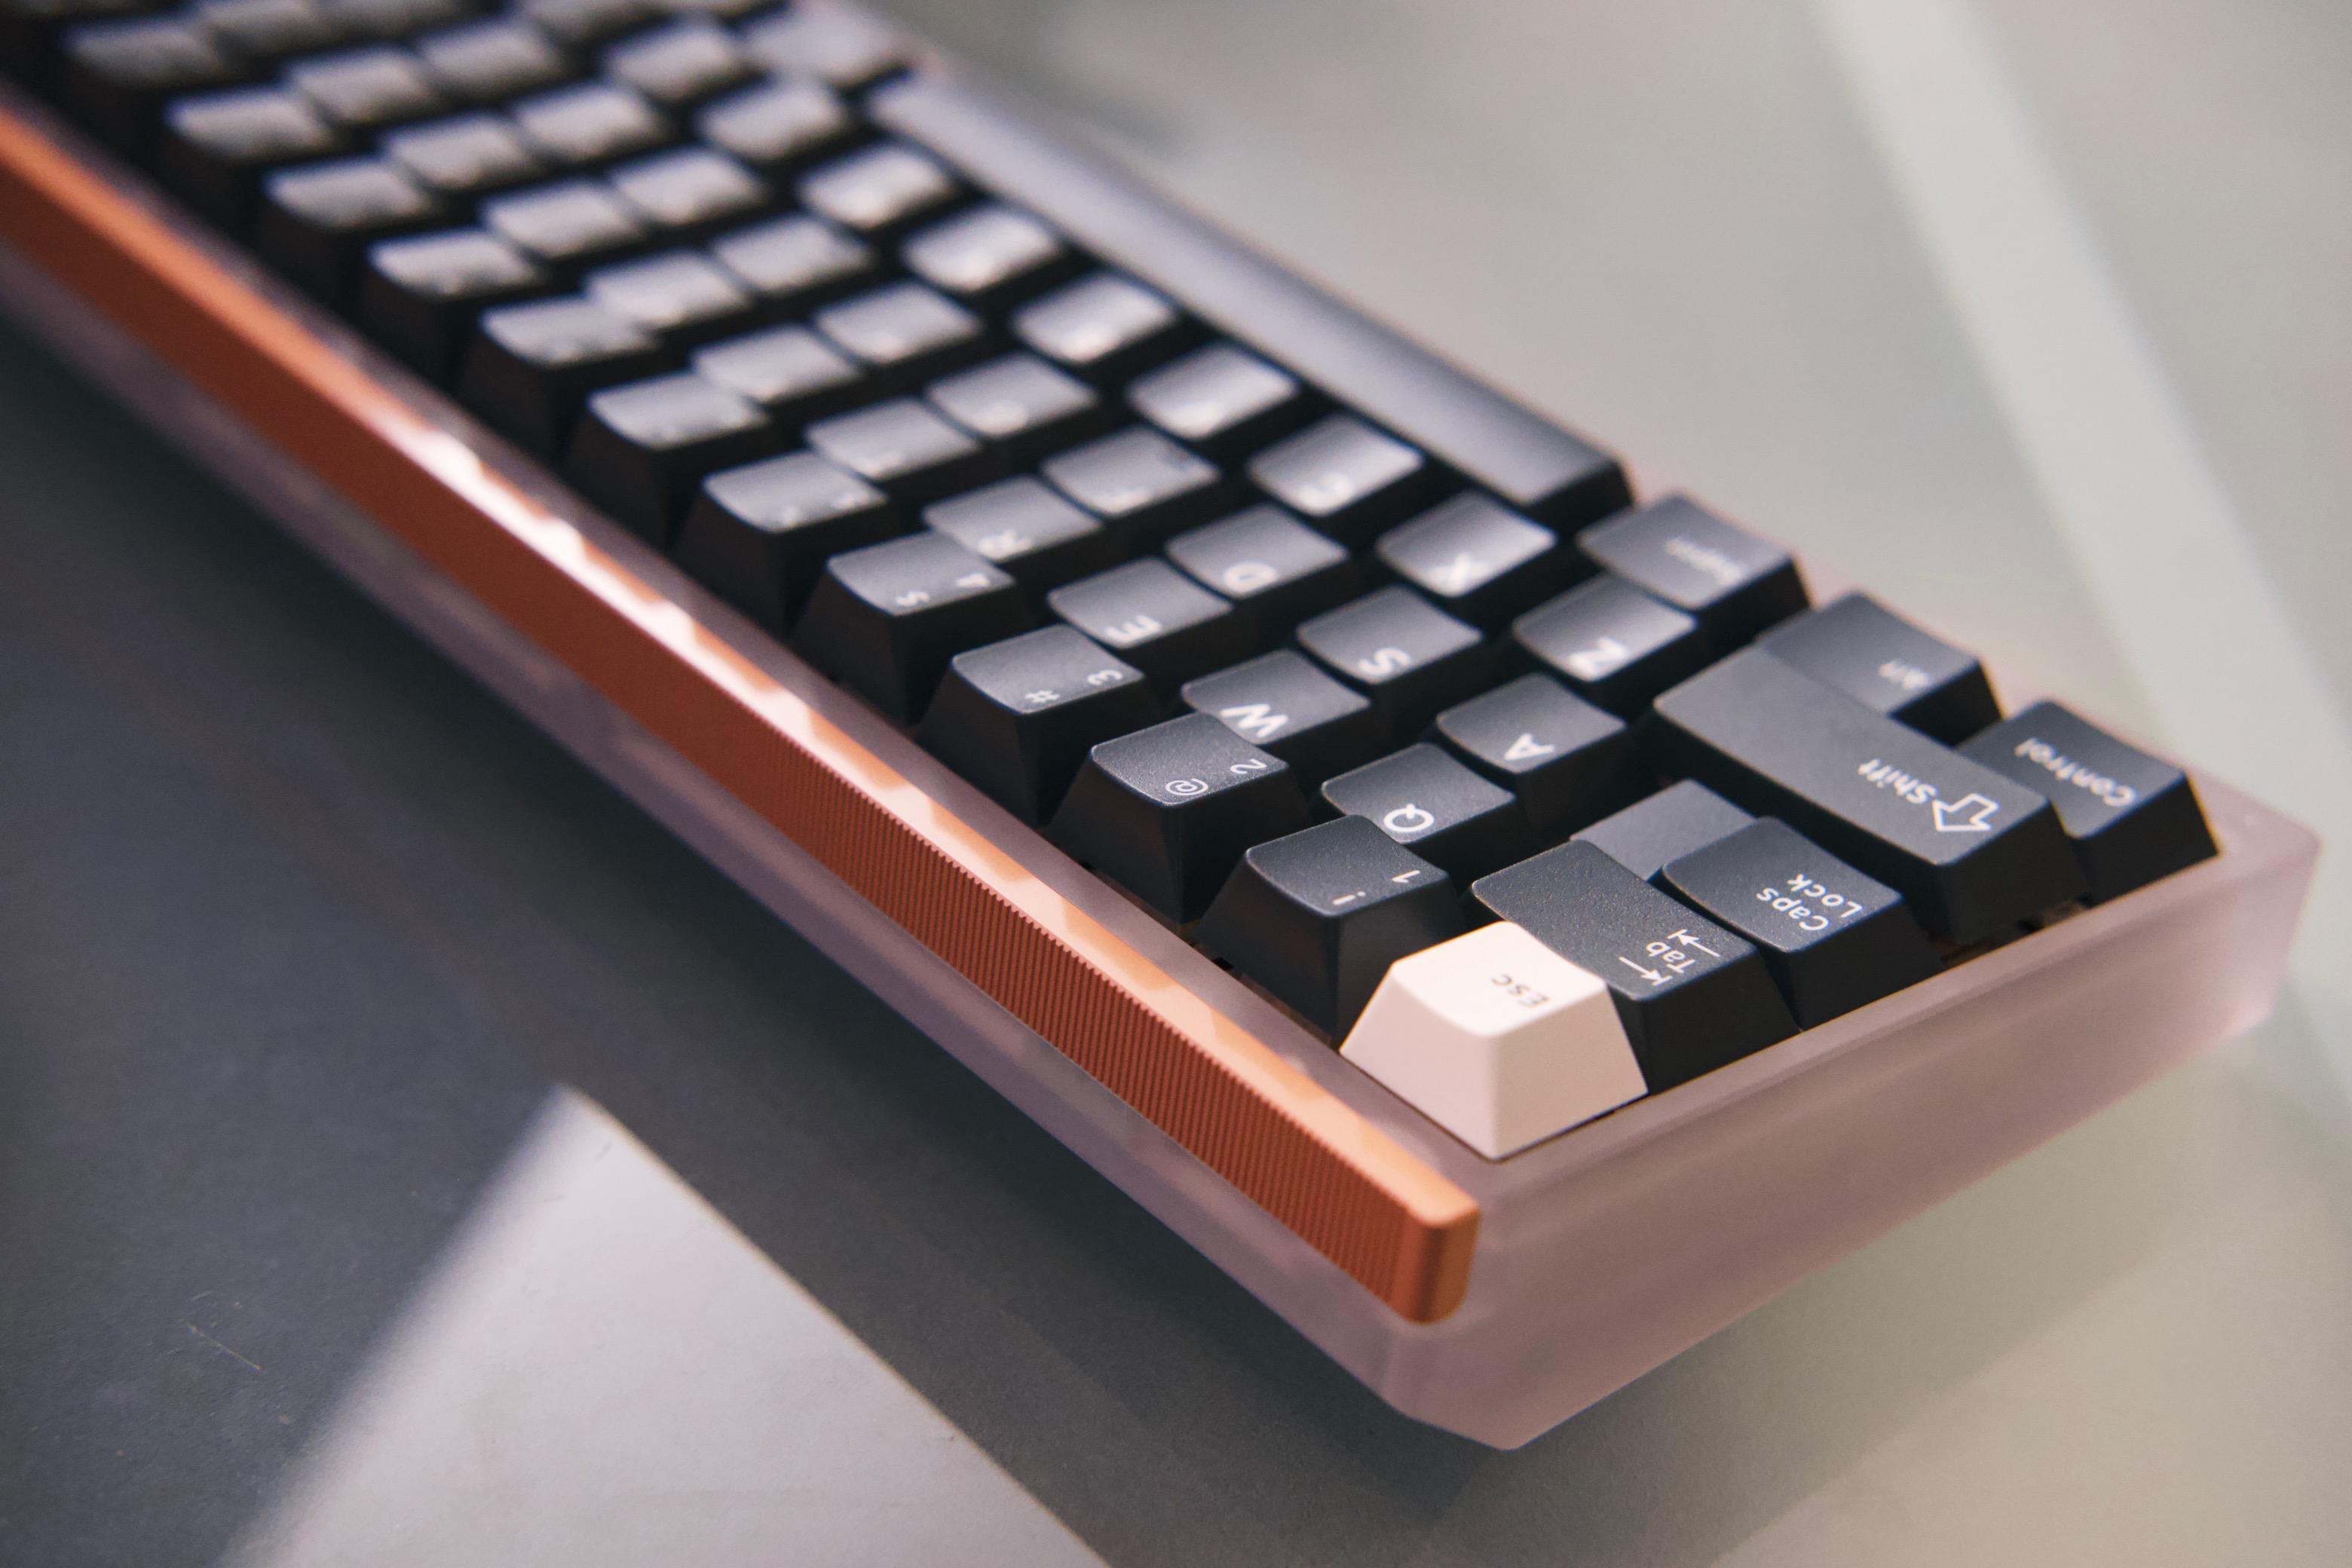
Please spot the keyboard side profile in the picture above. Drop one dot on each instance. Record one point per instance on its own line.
(1491, 1296)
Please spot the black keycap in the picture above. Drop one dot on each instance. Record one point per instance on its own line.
(1281, 702)
(317, 220)
(991, 257)
(690, 191)
(1692, 996)
(392, 21)
(1886, 664)
(1833, 939)
(794, 375)
(1444, 813)
(902, 446)
(1318, 917)
(796, 262)
(1678, 820)
(680, 296)
(641, 450)
(1166, 812)
(1611, 643)
(878, 191)
(1972, 851)
(466, 154)
(421, 297)
(1567, 761)
(885, 620)
(680, 64)
(778, 126)
(1141, 483)
(2132, 817)
(29, 29)
(571, 223)
(758, 536)
(1730, 580)
(1156, 619)
(717, 10)
(1346, 478)
(903, 333)
(1028, 530)
(581, 23)
(1411, 659)
(591, 124)
(368, 88)
(1479, 561)
(1017, 717)
(267, 30)
(1223, 401)
(490, 62)
(1275, 567)
(1020, 405)
(839, 46)
(1104, 327)
(115, 76)
(214, 148)
(529, 366)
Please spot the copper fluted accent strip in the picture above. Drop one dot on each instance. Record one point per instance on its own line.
(1387, 1218)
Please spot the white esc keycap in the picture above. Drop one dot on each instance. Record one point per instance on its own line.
(1497, 1039)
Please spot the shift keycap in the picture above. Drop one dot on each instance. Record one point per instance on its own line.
(1691, 994)
(1732, 582)
(1888, 665)
(1973, 852)
(885, 620)
(1168, 812)
(1318, 917)
(1017, 717)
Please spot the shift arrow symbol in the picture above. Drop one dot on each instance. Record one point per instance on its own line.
(1526, 749)
(1972, 812)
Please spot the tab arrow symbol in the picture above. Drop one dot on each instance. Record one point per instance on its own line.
(1526, 749)
(1972, 812)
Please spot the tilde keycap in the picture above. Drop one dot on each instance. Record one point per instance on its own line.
(1167, 812)
(1732, 582)
(1833, 939)
(1498, 1040)
(1318, 917)
(1693, 996)
(1675, 822)
(1972, 851)
(1565, 760)
(885, 620)
(1885, 663)
(1017, 717)
(2131, 817)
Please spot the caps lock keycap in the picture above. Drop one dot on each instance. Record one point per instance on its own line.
(1166, 812)
(1281, 702)
(1032, 533)
(1611, 643)
(1678, 820)
(591, 123)
(1317, 916)
(1691, 996)
(1275, 567)
(796, 262)
(760, 535)
(885, 620)
(2130, 817)
(318, 220)
(903, 332)
(1020, 405)
(1833, 939)
(1733, 582)
(1156, 619)
(991, 257)
(1017, 717)
(422, 297)
(1972, 851)
(465, 155)
(1344, 477)
(641, 450)
(911, 453)
(778, 126)
(1411, 659)
(1478, 560)
(880, 190)
(1888, 665)
(1447, 815)
(1223, 401)
(794, 375)
(531, 365)
(1104, 327)
(1567, 761)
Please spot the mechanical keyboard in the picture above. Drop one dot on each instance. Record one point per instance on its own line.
(1512, 924)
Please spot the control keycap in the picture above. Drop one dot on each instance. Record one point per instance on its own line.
(1972, 852)
(1411, 659)
(1691, 994)
(1833, 939)
(885, 620)
(1156, 619)
(2132, 817)
(1167, 813)
(1444, 813)
(1733, 582)
(1017, 717)
(1679, 820)
(1476, 560)
(1611, 643)
(760, 535)
(1889, 666)
(1282, 702)
(1565, 760)
(1318, 917)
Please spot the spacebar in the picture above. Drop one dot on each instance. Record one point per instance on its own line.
(1526, 460)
